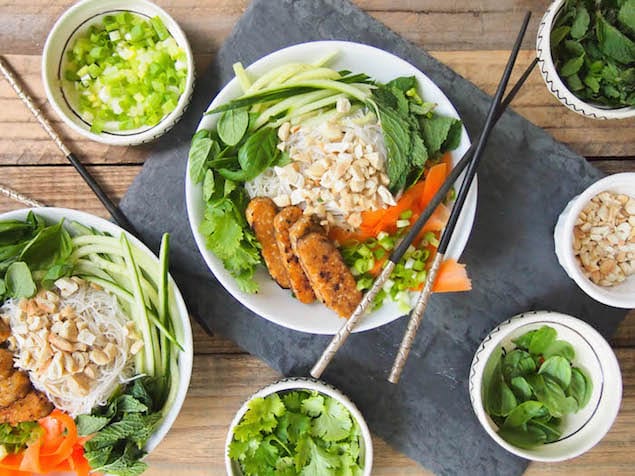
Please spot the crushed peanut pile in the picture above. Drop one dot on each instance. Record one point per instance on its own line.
(74, 341)
(337, 169)
(604, 238)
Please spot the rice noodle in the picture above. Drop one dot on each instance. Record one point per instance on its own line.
(104, 317)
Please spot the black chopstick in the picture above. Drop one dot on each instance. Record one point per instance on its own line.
(422, 301)
(415, 229)
(113, 209)
(347, 328)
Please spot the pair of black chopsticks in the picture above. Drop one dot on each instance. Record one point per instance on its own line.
(470, 162)
(113, 209)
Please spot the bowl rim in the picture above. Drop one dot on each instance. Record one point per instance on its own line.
(552, 79)
(491, 342)
(563, 234)
(146, 135)
(185, 357)
(457, 244)
(304, 383)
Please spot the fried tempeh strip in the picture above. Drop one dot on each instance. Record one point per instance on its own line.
(300, 285)
(32, 407)
(13, 388)
(329, 276)
(260, 213)
(5, 332)
(303, 226)
(6, 363)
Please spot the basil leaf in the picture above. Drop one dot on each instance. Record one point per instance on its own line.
(552, 396)
(521, 388)
(517, 363)
(524, 340)
(529, 438)
(257, 153)
(580, 387)
(523, 413)
(549, 428)
(198, 155)
(541, 340)
(560, 347)
(208, 185)
(232, 126)
(558, 368)
(19, 281)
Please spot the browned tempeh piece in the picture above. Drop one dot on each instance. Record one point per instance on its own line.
(32, 407)
(6, 363)
(300, 285)
(5, 332)
(260, 213)
(330, 278)
(302, 227)
(13, 388)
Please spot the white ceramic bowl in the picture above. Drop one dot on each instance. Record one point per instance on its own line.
(183, 328)
(622, 295)
(71, 24)
(290, 384)
(272, 302)
(582, 430)
(556, 86)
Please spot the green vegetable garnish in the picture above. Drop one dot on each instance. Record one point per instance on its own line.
(298, 433)
(124, 73)
(593, 49)
(529, 390)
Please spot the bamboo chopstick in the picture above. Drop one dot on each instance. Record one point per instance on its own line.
(422, 301)
(348, 326)
(113, 209)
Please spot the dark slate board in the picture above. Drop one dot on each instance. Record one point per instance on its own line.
(525, 180)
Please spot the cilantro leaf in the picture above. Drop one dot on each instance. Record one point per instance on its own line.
(334, 423)
(313, 405)
(321, 462)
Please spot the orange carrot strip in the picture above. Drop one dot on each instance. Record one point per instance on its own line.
(452, 277)
(433, 182)
(447, 160)
(31, 458)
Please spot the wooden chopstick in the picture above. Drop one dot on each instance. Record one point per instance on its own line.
(348, 326)
(19, 197)
(422, 301)
(113, 209)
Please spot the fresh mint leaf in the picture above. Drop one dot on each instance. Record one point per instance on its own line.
(198, 154)
(559, 34)
(209, 185)
(19, 281)
(572, 66)
(581, 23)
(129, 404)
(614, 43)
(626, 15)
(89, 424)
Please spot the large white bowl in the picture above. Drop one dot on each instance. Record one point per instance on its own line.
(73, 23)
(288, 385)
(272, 302)
(581, 431)
(181, 321)
(621, 295)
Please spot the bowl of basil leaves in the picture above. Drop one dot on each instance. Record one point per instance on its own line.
(545, 386)
(586, 52)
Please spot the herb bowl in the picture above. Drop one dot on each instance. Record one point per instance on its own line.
(580, 431)
(297, 384)
(72, 24)
(621, 295)
(554, 82)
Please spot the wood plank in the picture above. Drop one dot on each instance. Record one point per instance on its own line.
(220, 385)
(435, 25)
(25, 143)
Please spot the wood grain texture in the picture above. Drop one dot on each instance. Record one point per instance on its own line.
(221, 383)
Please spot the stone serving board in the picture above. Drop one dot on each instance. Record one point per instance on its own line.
(525, 180)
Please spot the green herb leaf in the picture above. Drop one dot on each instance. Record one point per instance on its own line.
(89, 424)
(258, 152)
(523, 438)
(572, 66)
(559, 34)
(613, 42)
(580, 388)
(232, 126)
(626, 15)
(581, 23)
(19, 281)
(523, 413)
(199, 153)
(560, 347)
(334, 423)
(521, 388)
(541, 340)
(558, 368)
(550, 393)
(517, 363)
(209, 185)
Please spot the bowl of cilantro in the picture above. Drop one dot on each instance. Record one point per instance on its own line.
(298, 426)
(586, 53)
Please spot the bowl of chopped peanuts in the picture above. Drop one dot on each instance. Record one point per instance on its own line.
(595, 240)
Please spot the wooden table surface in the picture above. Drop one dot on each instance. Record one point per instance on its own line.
(471, 37)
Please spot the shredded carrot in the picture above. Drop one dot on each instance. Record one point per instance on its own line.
(432, 183)
(447, 160)
(452, 277)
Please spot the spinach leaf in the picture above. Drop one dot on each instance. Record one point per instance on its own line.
(19, 281)
(232, 126)
(580, 387)
(558, 368)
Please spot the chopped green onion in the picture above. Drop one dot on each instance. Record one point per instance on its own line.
(406, 215)
(403, 223)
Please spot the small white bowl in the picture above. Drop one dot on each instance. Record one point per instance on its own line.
(181, 321)
(289, 384)
(621, 295)
(556, 86)
(72, 23)
(582, 430)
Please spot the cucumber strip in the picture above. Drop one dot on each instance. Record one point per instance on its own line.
(84, 266)
(164, 253)
(243, 78)
(317, 73)
(141, 317)
(281, 73)
(285, 104)
(359, 91)
(111, 287)
(325, 59)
